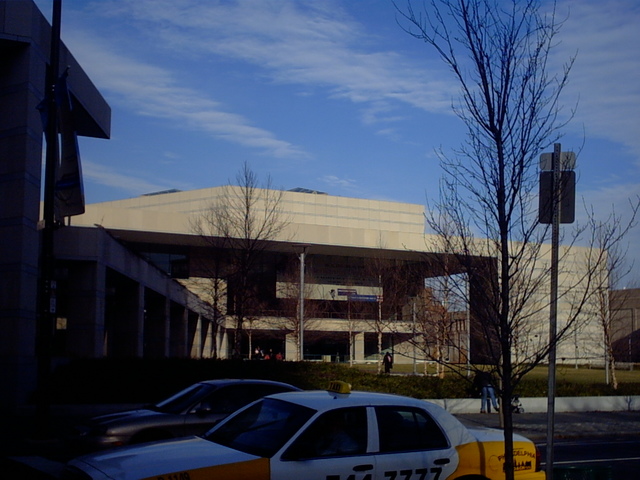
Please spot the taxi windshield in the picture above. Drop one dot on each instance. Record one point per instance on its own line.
(263, 428)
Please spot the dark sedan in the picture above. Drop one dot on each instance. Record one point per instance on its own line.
(191, 411)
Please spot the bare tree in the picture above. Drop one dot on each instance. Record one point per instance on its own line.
(609, 234)
(240, 223)
(351, 324)
(486, 216)
(289, 295)
(439, 312)
(510, 104)
(211, 289)
(392, 283)
(356, 312)
(210, 267)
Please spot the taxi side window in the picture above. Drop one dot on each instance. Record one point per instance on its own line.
(341, 432)
(404, 429)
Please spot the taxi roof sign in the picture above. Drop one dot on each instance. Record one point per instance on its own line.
(337, 386)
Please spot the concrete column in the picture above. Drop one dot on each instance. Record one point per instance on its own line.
(124, 319)
(291, 350)
(194, 343)
(221, 341)
(155, 324)
(208, 345)
(137, 330)
(223, 347)
(177, 330)
(197, 350)
(358, 342)
(85, 310)
(167, 327)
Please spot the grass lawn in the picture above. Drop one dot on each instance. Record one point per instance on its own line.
(585, 375)
(147, 380)
(564, 373)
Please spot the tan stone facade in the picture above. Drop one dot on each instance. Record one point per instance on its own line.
(342, 235)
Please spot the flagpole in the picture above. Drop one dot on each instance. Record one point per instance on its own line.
(45, 326)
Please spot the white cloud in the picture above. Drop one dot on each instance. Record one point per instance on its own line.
(608, 199)
(314, 44)
(604, 77)
(153, 91)
(342, 183)
(614, 200)
(121, 181)
(319, 45)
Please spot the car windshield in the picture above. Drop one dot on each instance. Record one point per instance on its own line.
(182, 400)
(263, 428)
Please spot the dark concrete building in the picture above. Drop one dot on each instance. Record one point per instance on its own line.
(625, 324)
(25, 37)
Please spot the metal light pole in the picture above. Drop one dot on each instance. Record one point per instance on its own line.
(468, 324)
(47, 300)
(301, 256)
(415, 352)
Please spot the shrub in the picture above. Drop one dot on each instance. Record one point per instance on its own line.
(136, 380)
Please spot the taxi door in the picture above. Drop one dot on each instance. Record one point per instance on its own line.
(412, 446)
(333, 447)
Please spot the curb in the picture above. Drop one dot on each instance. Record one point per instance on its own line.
(539, 404)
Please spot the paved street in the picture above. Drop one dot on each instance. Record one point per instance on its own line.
(567, 424)
(587, 445)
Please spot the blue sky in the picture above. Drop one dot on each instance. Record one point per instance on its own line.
(328, 94)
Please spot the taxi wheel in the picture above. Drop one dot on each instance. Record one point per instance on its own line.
(150, 436)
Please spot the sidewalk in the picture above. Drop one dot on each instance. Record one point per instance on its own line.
(566, 424)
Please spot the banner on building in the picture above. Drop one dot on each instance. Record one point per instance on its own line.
(69, 190)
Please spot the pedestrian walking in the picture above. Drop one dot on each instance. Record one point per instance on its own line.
(387, 361)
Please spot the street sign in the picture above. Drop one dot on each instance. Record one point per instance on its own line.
(567, 202)
(567, 161)
(347, 291)
(364, 298)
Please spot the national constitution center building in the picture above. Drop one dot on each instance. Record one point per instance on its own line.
(134, 280)
(350, 310)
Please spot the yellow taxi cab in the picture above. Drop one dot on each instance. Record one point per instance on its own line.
(325, 435)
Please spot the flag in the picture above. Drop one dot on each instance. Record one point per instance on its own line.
(69, 190)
